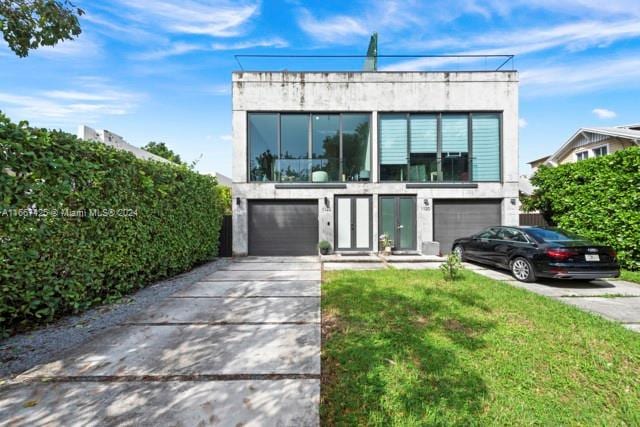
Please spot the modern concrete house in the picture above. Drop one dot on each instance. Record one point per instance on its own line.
(589, 142)
(348, 156)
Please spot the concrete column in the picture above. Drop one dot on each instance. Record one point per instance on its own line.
(374, 146)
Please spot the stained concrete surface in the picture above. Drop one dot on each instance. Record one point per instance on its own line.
(223, 403)
(614, 299)
(173, 364)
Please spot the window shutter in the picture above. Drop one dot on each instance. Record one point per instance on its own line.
(486, 147)
(455, 134)
(393, 139)
(424, 133)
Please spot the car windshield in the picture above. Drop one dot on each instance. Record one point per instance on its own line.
(553, 235)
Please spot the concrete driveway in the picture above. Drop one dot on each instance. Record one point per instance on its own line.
(616, 300)
(241, 347)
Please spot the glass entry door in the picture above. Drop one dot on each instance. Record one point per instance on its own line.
(353, 223)
(397, 218)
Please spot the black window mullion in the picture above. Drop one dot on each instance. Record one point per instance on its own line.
(470, 146)
(439, 147)
(278, 176)
(408, 147)
(310, 147)
(340, 154)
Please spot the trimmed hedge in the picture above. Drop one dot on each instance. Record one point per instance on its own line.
(598, 198)
(82, 223)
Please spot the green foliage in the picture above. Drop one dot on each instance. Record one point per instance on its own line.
(597, 198)
(161, 149)
(29, 24)
(82, 223)
(225, 198)
(324, 245)
(451, 267)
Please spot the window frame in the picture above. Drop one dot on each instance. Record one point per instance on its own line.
(439, 115)
(579, 154)
(310, 115)
(600, 147)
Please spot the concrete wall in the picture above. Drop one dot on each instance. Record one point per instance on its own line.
(373, 92)
(116, 141)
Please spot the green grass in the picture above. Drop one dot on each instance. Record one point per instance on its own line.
(631, 276)
(406, 347)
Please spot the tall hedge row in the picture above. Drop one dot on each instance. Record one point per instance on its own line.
(82, 223)
(598, 198)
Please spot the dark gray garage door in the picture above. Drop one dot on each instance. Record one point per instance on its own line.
(461, 218)
(283, 227)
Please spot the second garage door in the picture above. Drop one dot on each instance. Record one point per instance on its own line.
(461, 218)
(283, 227)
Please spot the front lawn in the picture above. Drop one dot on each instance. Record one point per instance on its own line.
(631, 276)
(405, 347)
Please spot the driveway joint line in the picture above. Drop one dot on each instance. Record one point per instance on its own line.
(301, 322)
(166, 378)
(242, 296)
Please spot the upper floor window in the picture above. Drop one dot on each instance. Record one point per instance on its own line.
(583, 155)
(309, 147)
(439, 147)
(600, 151)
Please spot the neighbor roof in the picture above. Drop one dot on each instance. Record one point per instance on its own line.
(623, 132)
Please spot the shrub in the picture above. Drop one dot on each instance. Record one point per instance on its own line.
(82, 223)
(597, 198)
(324, 246)
(451, 267)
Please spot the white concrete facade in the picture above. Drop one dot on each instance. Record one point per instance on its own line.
(116, 141)
(374, 92)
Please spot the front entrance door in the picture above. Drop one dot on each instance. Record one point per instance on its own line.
(353, 223)
(397, 218)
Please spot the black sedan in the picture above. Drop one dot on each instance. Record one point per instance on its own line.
(532, 252)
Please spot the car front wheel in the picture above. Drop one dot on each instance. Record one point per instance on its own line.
(459, 251)
(522, 270)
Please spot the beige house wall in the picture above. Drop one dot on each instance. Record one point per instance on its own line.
(613, 145)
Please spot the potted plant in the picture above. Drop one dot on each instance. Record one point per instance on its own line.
(324, 247)
(386, 243)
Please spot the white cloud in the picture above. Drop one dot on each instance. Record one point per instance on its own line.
(522, 123)
(219, 89)
(225, 137)
(580, 76)
(275, 42)
(603, 113)
(572, 37)
(336, 29)
(174, 49)
(86, 103)
(216, 19)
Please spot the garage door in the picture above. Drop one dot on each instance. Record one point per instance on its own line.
(461, 218)
(283, 227)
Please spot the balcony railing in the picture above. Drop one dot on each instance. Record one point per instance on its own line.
(354, 63)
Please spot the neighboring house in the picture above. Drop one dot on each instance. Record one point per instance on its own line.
(535, 164)
(222, 179)
(347, 156)
(109, 138)
(592, 142)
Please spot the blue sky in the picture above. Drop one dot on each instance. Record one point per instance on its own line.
(160, 70)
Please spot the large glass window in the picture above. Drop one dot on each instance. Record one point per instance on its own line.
(326, 147)
(455, 147)
(356, 147)
(294, 147)
(263, 146)
(486, 147)
(393, 147)
(424, 148)
(309, 147)
(439, 147)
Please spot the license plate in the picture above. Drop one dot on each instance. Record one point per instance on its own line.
(592, 257)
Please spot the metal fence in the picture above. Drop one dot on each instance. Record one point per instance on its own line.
(226, 237)
(535, 219)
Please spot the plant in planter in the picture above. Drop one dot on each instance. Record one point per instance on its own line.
(386, 243)
(324, 247)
